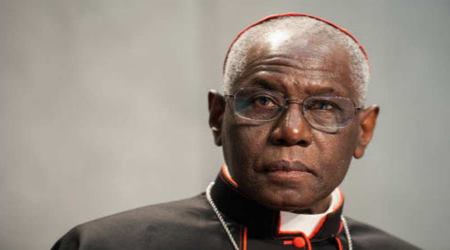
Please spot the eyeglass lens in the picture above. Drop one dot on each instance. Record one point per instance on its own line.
(325, 113)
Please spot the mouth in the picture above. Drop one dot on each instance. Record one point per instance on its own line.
(287, 169)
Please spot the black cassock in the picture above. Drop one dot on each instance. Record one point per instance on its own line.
(192, 224)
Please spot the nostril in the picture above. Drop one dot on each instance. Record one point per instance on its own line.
(303, 143)
(285, 142)
(278, 141)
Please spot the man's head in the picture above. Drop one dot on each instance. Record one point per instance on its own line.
(289, 123)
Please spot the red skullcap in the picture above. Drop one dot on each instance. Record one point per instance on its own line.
(267, 18)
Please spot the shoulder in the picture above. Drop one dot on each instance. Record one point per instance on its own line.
(365, 236)
(137, 228)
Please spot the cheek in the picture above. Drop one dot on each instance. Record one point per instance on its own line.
(334, 153)
(250, 141)
(243, 146)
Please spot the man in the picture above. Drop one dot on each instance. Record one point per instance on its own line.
(290, 122)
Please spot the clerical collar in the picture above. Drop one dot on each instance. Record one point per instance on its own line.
(264, 222)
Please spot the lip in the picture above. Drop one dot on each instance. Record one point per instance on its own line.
(287, 168)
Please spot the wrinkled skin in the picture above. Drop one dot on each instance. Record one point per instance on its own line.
(299, 67)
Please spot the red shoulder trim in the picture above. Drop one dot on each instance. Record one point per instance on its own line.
(227, 177)
(339, 243)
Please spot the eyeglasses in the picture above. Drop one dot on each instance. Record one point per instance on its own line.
(324, 113)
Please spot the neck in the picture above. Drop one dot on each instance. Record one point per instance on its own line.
(319, 208)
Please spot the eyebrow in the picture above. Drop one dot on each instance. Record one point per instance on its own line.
(310, 90)
(264, 83)
(325, 91)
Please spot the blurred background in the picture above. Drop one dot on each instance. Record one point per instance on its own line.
(103, 109)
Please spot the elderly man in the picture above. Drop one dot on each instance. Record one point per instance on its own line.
(290, 122)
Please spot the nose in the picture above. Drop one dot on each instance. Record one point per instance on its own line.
(292, 128)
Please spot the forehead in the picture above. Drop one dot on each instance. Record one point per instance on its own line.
(304, 60)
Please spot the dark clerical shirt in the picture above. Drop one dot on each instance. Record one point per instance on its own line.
(192, 224)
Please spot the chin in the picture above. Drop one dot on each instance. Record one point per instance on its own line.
(287, 200)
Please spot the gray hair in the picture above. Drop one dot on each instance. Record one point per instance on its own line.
(236, 58)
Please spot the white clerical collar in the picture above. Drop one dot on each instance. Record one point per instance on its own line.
(308, 223)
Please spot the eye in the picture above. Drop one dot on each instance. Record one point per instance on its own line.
(264, 101)
(323, 105)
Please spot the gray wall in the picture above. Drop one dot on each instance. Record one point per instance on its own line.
(103, 108)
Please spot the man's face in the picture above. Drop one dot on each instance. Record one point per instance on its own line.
(285, 163)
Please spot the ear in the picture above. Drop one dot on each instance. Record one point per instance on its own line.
(367, 123)
(216, 107)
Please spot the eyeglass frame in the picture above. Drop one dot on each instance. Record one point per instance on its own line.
(285, 106)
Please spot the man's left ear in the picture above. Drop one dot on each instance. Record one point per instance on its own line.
(216, 107)
(367, 123)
